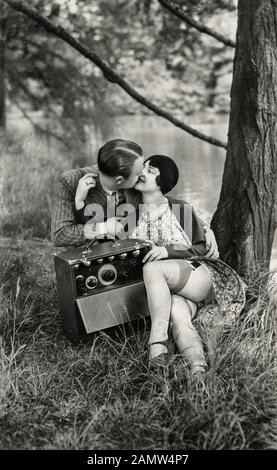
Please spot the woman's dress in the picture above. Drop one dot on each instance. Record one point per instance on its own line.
(227, 299)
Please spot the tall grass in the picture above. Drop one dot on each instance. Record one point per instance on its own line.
(29, 169)
(99, 394)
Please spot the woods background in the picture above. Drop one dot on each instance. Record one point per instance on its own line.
(178, 60)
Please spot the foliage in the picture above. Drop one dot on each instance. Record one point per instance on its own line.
(65, 94)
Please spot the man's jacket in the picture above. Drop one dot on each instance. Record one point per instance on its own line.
(65, 229)
(67, 226)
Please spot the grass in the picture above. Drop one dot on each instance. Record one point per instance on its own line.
(29, 169)
(99, 394)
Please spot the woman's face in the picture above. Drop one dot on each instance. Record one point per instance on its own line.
(147, 179)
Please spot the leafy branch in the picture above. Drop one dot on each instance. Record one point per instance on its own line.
(179, 13)
(109, 73)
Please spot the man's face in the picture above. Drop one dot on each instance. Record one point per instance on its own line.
(136, 170)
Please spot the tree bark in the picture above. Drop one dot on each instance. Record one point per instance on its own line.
(245, 219)
(2, 73)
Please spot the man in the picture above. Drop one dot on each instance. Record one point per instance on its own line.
(120, 163)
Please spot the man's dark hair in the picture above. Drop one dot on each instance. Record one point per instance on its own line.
(117, 157)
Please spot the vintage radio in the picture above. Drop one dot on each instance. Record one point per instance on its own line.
(101, 286)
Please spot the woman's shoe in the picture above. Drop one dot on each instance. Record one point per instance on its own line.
(158, 357)
(198, 370)
(158, 338)
(189, 345)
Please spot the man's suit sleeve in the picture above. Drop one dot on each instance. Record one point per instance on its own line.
(64, 230)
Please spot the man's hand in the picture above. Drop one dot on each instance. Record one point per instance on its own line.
(211, 244)
(157, 252)
(85, 184)
(114, 227)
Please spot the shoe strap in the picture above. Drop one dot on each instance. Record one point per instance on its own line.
(159, 342)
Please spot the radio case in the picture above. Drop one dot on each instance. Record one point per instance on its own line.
(102, 286)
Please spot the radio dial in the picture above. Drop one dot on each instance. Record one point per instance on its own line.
(123, 256)
(91, 282)
(107, 274)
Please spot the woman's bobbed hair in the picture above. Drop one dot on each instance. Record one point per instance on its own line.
(169, 173)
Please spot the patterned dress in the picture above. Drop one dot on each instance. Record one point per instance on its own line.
(227, 299)
(162, 229)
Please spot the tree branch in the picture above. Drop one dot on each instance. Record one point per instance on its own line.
(108, 72)
(179, 13)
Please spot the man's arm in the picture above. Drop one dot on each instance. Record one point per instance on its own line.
(198, 239)
(64, 229)
(210, 240)
(69, 224)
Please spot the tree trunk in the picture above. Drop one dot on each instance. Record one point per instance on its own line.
(245, 219)
(2, 73)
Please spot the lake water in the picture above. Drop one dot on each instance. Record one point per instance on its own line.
(200, 164)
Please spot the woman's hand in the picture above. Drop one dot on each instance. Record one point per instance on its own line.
(85, 184)
(156, 253)
(211, 243)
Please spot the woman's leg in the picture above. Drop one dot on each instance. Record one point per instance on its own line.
(185, 335)
(198, 285)
(159, 301)
(162, 277)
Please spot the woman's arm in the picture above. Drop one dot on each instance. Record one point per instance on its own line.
(175, 251)
(198, 240)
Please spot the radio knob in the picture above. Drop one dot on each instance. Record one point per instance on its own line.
(91, 282)
(80, 280)
(108, 275)
(100, 260)
(76, 266)
(136, 253)
(86, 262)
(111, 258)
(123, 256)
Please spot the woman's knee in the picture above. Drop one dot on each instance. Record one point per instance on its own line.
(177, 301)
(182, 309)
(151, 270)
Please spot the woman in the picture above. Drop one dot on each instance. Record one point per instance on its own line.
(177, 276)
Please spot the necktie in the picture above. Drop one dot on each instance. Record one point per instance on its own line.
(116, 197)
(119, 197)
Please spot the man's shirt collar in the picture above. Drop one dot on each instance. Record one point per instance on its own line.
(108, 191)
